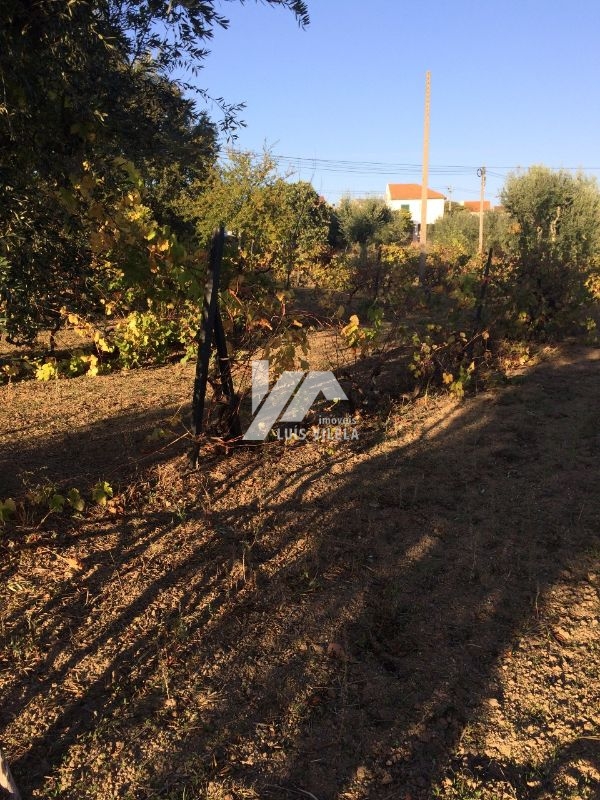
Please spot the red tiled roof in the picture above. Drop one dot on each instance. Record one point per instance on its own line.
(410, 191)
(473, 205)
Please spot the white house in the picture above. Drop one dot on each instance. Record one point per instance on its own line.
(407, 197)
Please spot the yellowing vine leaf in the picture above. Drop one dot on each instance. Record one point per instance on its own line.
(101, 343)
(352, 326)
(47, 371)
(93, 369)
(75, 500)
(102, 492)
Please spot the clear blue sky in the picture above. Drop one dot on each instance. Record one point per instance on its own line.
(514, 83)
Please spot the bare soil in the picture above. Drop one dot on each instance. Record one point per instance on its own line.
(413, 615)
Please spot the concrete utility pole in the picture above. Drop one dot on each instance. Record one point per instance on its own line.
(449, 190)
(481, 174)
(425, 180)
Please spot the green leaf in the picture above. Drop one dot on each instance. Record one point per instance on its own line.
(101, 493)
(157, 434)
(56, 502)
(8, 509)
(67, 198)
(75, 500)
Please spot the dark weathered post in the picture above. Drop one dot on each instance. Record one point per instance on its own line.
(233, 423)
(483, 290)
(209, 310)
(212, 329)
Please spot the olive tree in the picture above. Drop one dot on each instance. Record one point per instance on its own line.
(555, 219)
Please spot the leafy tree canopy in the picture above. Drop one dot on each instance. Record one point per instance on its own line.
(97, 133)
(279, 226)
(556, 224)
(460, 228)
(362, 220)
(557, 214)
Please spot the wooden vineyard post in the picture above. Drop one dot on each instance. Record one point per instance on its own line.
(205, 337)
(483, 290)
(235, 428)
(212, 330)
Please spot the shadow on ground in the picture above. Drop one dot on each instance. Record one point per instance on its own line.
(313, 622)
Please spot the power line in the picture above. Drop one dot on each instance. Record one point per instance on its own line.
(365, 167)
(387, 167)
(355, 192)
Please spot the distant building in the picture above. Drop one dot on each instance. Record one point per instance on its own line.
(474, 205)
(407, 197)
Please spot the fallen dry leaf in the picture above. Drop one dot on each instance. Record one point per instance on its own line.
(562, 636)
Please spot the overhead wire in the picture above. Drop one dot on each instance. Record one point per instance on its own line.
(385, 167)
(356, 167)
(314, 165)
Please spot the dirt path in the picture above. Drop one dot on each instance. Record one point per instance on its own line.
(414, 615)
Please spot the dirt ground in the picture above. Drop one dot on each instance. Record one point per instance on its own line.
(408, 616)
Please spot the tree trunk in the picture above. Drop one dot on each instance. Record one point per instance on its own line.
(364, 250)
